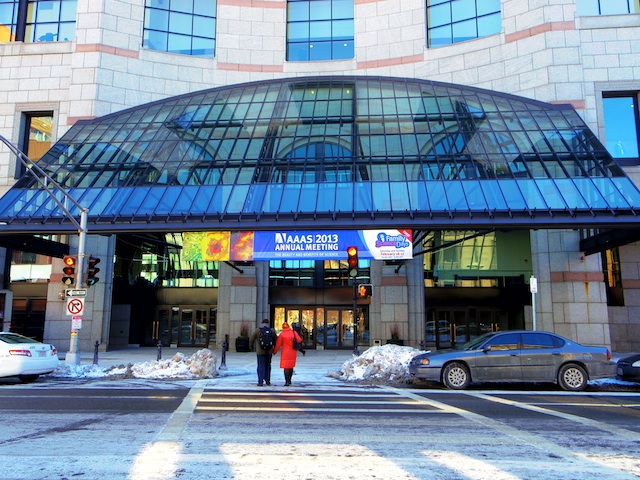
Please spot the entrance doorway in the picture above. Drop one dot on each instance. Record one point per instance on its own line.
(186, 326)
(325, 327)
(447, 327)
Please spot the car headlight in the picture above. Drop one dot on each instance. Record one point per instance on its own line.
(636, 364)
(421, 361)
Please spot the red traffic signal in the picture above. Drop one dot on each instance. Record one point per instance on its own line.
(69, 269)
(352, 261)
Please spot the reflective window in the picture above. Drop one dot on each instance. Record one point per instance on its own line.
(186, 27)
(453, 21)
(320, 30)
(606, 7)
(37, 20)
(621, 121)
(537, 340)
(37, 136)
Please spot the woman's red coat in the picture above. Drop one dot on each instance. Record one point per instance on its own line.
(289, 354)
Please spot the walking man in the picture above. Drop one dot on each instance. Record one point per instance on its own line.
(262, 341)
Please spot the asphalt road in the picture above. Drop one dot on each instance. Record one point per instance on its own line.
(132, 429)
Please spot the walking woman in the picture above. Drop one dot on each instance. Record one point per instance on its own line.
(289, 353)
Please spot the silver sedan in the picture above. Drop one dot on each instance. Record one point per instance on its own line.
(515, 356)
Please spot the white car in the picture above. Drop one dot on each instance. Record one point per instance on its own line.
(25, 357)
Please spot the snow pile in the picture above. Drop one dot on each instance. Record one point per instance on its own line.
(388, 363)
(201, 364)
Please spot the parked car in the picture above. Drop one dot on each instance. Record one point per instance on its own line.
(629, 368)
(25, 357)
(515, 356)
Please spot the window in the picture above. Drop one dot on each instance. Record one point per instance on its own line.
(453, 21)
(36, 138)
(320, 30)
(537, 340)
(508, 341)
(37, 20)
(606, 7)
(187, 27)
(621, 124)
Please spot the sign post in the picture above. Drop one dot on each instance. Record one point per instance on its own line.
(533, 288)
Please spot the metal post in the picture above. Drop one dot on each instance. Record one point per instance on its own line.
(159, 357)
(533, 288)
(356, 352)
(95, 352)
(225, 348)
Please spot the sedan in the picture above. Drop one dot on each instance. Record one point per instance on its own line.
(629, 368)
(515, 356)
(25, 358)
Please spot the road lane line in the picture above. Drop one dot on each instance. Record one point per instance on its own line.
(623, 432)
(520, 436)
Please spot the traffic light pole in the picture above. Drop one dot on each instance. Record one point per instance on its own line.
(51, 186)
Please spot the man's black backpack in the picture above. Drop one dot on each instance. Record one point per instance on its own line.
(266, 338)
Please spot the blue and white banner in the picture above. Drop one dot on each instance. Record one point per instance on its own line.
(327, 245)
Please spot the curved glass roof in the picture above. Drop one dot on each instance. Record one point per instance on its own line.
(330, 152)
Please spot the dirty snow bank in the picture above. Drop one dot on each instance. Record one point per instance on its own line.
(388, 363)
(201, 364)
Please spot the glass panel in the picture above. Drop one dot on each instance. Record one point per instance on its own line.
(621, 126)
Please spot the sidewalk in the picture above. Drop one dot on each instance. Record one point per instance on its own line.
(239, 370)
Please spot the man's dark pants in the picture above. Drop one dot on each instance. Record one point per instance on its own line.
(264, 368)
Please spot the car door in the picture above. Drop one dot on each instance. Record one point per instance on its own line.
(540, 357)
(500, 359)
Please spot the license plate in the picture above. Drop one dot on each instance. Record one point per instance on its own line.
(620, 371)
(42, 353)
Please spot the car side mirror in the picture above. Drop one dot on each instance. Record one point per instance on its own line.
(486, 348)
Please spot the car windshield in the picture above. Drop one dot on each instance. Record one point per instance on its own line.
(476, 342)
(15, 338)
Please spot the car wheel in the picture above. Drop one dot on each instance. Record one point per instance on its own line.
(572, 377)
(456, 376)
(28, 378)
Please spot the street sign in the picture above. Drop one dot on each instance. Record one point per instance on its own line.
(75, 292)
(76, 322)
(75, 306)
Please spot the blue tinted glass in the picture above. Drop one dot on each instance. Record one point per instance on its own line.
(320, 10)
(156, 40)
(437, 197)
(179, 44)
(439, 15)
(319, 31)
(613, 7)
(624, 185)
(620, 126)
(298, 11)
(531, 194)
(463, 9)
(298, 31)
(489, 25)
(320, 51)
(474, 195)
(399, 197)
(342, 9)
(363, 201)
(345, 196)
(308, 195)
(203, 46)
(455, 196)
(180, 23)
(440, 36)
(493, 194)
(156, 19)
(587, 7)
(68, 11)
(418, 196)
(342, 29)
(185, 6)
(47, 11)
(204, 7)
(204, 27)
(464, 31)
(512, 195)
(487, 6)
(554, 199)
(381, 196)
(67, 32)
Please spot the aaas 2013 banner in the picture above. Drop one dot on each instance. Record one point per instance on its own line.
(298, 245)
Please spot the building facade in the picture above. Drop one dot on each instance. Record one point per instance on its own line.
(67, 61)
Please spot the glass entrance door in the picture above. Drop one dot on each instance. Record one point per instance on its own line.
(338, 328)
(186, 326)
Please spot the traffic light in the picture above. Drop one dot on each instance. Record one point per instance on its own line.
(69, 270)
(92, 271)
(365, 290)
(352, 261)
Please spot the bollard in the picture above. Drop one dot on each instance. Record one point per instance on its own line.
(159, 351)
(225, 349)
(95, 353)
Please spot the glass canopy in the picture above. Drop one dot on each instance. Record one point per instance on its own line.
(330, 152)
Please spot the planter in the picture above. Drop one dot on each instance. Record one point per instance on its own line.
(396, 341)
(242, 344)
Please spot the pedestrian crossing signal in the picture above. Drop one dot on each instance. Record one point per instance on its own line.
(69, 269)
(365, 290)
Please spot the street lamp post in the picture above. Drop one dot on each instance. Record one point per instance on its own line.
(73, 356)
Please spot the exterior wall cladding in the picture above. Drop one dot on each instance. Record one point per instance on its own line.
(544, 52)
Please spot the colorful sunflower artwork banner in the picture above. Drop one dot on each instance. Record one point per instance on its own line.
(218, 246)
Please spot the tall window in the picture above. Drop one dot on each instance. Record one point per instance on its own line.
(606, 7)
(452, 21)
(187, 27)
(621, 124)
(320, 30)
(36, 137)
(37, 20)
